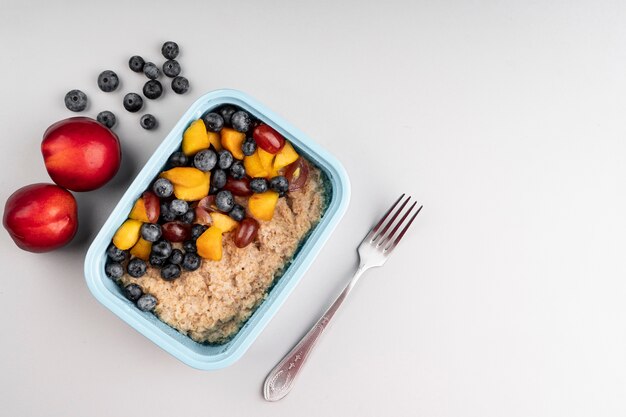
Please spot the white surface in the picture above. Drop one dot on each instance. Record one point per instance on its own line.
(506, 119)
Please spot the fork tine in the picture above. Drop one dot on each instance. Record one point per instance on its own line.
(382, 220)
(393, 219)
(391, 234)
(392, 245)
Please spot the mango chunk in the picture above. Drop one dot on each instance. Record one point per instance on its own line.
(262, 205)
(197, 192)
(232, 140)
(141, 249)
(209, 244)
(266, 159)
(127, 234)
(195, 138)
(214, 139)
(253, 166)
(185, 176)
(287, 155)
(139, 211)
(223, 222)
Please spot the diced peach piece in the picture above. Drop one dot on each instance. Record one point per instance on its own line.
(141, 249)
(139, 211)
(262, 205)
(209, 244)
(195, 138)
(127, 234)
(232, 140)
(185, 176)
(196, 192)
(214, 139)
(285, 156)
(266, 158)
(223, 222)
(253, 166)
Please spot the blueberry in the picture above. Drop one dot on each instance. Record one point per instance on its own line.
(146, 302)
(163, 188)
(224, 159)
(133, 292)
(176, 257)
(108, 81)
(151, 232)
(197, 230)
(171, 68)
(188, 217)
(189, 246)
(170, 272)
(279, 184)
(258, 185)
(136, 63)
(136, 267)
(248, 147)
(179, 207)
(226, 112)
(114, 270)
(166, 214)
(205, 160)
(178, 159)
(133, 102)
(107, 118)
(218, 179)
(191, 262)
(224, 201)
(76, 100)
(237, 170)
(240, 121)
(148, 122)
(156, 260)
(151, 71)
(170, 49)
(152, 89)
(180, 85)
(162, 249)
(238, 213)
(213, 122)
(115, 254)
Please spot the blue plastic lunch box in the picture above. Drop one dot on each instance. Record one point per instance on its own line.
(201, 356)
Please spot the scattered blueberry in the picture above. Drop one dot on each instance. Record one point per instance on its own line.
(156, 260)
(224, 159)
(171, 68)
(170, 272)
(197, 230)
(136, 63)
(151, 232)
(179, 207)
(166, 214)
(240, 121)
(189, 246)
(176, 257)
(178, 159)
(188, 217)
(226, 112)
(213, 122)
(151, 71)
(133, 292)
(279, 184)
(152, 89)
(205, 160)
(162, 249)
(180, 85)
(114, 270)
(133, 102)
(108, 81)
(248, 147)
(224, 201)
(136, 267)
(115, 254)
(258, 185)
(237, 170)
(76, 100)
(238, 213)
(191, 262)
(218, 178)
(107, 118)
(163, 188)
(146, 302)
(170, 50)
(148, 121)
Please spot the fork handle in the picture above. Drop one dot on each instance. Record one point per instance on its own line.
(281, 379)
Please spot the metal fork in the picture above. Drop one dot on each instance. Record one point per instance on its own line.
(373, 251)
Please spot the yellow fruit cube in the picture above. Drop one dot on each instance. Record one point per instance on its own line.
(142, 249)
(195, 138)
(223, 222)
(214, 139)
(232, 140)
(185, 176)
(127, 234)
(286, 156)
(209, 244)
(262, 205)
(139, 211)
(253, 166)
